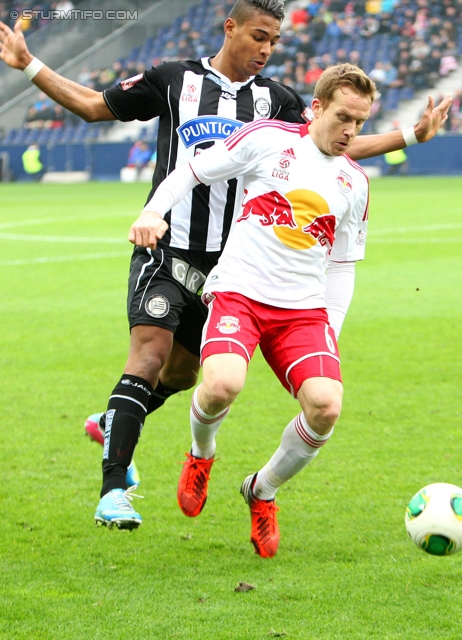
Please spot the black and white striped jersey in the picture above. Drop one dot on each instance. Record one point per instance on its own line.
(196, 106)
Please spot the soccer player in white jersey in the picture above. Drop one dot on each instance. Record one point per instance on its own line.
(303, 221)
(201, 101)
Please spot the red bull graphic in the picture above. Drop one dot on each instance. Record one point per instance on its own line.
(300, 219)
(344, 182)
(323, 229)
(272, 208)
(228, 324)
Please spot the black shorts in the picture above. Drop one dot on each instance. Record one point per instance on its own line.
(164, 290)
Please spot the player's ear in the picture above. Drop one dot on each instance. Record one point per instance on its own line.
(229, 27)
(316, 107)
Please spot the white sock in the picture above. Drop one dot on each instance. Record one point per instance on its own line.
(203, 429)
(299, 446)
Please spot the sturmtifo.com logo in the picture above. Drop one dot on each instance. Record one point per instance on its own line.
(74, 14)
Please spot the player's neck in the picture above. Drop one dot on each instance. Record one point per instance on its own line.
(223, 64)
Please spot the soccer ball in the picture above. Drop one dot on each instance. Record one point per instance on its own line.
(434, 519)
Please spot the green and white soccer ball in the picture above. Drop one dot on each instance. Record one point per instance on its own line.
(434, 519)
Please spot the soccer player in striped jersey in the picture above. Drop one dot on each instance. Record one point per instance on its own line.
(305, 208)
(198, 103)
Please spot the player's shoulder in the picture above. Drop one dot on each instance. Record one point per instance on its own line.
(356, 169)
(173, 68)
(263, 130)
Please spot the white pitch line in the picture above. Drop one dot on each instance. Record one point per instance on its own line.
(85, 256)
(402, 230)
(68, 239)
(38, 221)
(372, 240)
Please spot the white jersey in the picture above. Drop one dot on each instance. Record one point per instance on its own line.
(301, 208)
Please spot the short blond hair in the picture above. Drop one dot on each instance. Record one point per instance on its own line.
(340, 75)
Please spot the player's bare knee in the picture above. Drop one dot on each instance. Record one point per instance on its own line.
(322, 419)
(218, 394)
(322, 406)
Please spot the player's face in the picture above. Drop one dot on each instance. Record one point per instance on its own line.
(250, 44)
(336, 125)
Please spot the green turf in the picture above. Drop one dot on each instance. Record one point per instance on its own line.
(345, 568)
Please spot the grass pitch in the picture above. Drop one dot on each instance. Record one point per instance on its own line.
(345, 569)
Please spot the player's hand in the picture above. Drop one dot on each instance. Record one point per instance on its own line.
(148, 229)
(13, 48)
(433, 119)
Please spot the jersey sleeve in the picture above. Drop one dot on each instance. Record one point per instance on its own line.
(350, 236)
(239, 154)
(142, 97)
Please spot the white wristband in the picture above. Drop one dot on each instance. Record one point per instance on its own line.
(409, 136)
(33, 68)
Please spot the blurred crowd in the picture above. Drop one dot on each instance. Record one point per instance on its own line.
(10, 12)
(404, 45)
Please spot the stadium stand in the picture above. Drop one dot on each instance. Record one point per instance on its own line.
(405, 48)
(405, 45)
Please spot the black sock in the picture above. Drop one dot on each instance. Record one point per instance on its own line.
(160, 395)
(125, 416)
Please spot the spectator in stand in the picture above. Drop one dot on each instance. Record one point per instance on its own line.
(300, 85)
(351, 26)
(312, 75)
(402, 77)
(354, 57)
(391, 73)
(385, 23)
(370, 27)
(325, 61)
(305, 45)
(419, 48)
(299, 18)
(317, 28)
(373, 6)
(433, 64)
(341, 56)
(333, 29)
(33, 118)
(84, 77)
(313, 8)
(106, 79)
(139, 156)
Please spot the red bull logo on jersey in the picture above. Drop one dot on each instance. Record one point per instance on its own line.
(272, 208)
(323, 229)
(300, 219)
(344, 182)
(228, 325)
(206, 129)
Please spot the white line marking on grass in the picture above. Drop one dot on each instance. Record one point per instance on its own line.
(84, 256)
(72, 239)
(414, 240)
(39, 221)
(402, 230)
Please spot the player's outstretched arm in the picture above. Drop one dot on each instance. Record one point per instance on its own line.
(83, 101)
(430, 123)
